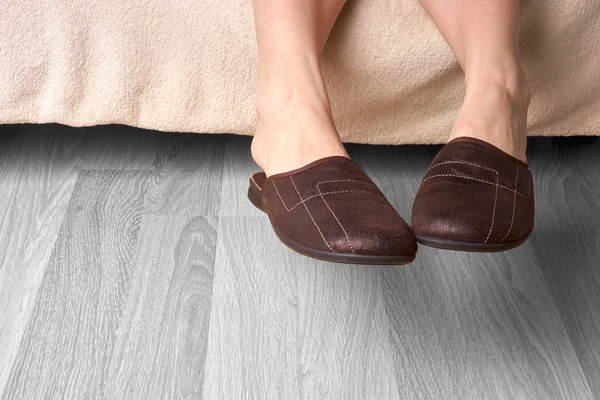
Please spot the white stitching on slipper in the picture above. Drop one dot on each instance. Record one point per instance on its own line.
(493, 212)
(475, 179)
(256, 184)
(309, 214)
(462, 162)
(317, 195)
(336, 218)
(512, 221)
(320, 194)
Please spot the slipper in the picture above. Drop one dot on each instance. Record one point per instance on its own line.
(474, 197)
(332, 211)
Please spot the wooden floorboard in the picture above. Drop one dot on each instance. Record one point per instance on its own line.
(284, 326)
(238, 168)
(68, 342)
(479, 326)
(38, 172)
(187, 175)
(567, 239)
(252, 349)
(346, 350)
(133, 266)
(470, 326)
(164, 326)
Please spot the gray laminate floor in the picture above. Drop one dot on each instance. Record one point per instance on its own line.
(133, 267)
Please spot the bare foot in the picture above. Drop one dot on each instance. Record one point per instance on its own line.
(497, 114)
(293, 129)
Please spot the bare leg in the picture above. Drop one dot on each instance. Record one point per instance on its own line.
(294, 126)
(483, 34)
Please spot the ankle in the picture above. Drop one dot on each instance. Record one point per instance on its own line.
(294, 127)
(293, 146)
(284, 88)
(495, 110)
(502, 85)
(275, 104)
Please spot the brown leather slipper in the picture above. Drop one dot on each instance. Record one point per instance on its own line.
(330, 210)
(474, 197)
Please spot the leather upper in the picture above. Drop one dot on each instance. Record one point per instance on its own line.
(474, 192)
(332, 205)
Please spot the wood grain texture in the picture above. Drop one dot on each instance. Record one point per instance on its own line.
(284, 326)
(345, 349)
(567, 239)
(238, 168)
(71, 334)
(38, 172)
(252, 348)
(160, 346)
(493, 330)
(187, 176)
(164, 282)
(486, 327)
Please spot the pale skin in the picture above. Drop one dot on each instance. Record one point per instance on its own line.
(295, 125)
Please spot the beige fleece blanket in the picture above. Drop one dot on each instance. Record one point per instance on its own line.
(190, 65)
